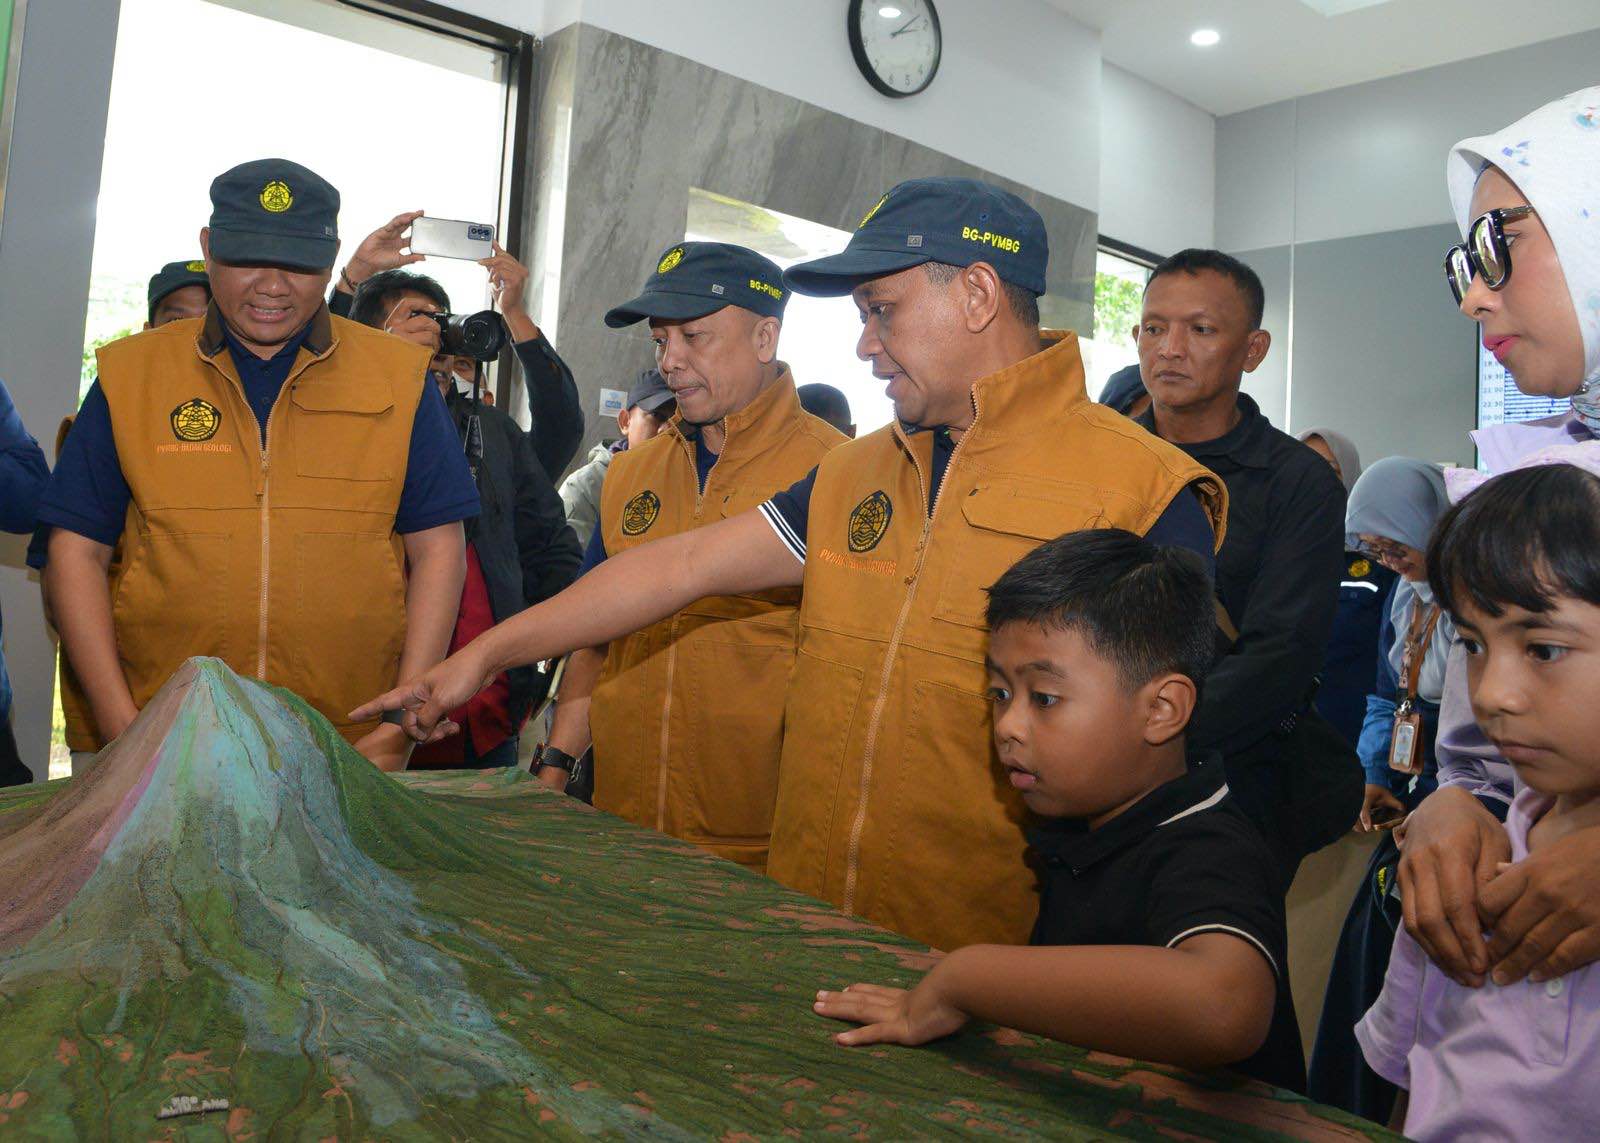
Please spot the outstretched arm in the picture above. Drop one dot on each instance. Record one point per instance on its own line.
(1206, 1003)
(631, 590)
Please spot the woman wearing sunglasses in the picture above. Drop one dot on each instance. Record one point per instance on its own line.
(1528, 272)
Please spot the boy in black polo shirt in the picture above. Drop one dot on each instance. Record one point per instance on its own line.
(1161, 931)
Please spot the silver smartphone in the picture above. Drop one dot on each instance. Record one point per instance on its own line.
(452, 238)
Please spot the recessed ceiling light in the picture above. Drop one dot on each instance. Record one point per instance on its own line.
(890, 12)
(1205, 38)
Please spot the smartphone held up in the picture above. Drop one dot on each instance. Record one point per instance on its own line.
(452, 238)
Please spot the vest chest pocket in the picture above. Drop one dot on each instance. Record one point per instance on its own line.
(1003, 523)
(338, 430)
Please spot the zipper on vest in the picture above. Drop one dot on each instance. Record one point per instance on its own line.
(852, 861)
(672, 634)
(665, 746)
(266, 534)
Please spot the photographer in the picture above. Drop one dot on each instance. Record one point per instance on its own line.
(519, 549)
(552, 394)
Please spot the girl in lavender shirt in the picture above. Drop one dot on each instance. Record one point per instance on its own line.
(1517, 565)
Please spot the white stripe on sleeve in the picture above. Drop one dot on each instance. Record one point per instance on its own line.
(796, 546)
(1218, 927)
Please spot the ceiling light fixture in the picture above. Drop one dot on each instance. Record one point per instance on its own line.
(890, 12)
(1205, 38)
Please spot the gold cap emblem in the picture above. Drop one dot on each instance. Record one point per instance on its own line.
(276, 197)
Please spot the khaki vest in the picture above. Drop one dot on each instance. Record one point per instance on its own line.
(282, 561)
(687, 716)
(891, 802)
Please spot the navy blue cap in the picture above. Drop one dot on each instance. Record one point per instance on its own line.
(693, 279)
(955, 221)
(175, 276)
(274, 211)
(650, 392)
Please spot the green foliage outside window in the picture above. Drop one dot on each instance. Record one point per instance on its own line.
(1117, 302)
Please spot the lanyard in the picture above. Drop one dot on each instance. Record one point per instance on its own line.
(1416, 651)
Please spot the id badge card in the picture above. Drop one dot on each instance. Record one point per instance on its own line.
(1403, 753)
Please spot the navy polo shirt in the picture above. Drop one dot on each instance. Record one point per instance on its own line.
(595, 554)
(1183, 524)
(88, 494)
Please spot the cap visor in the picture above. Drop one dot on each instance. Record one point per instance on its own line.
(247, 248)
(160, 295)
(840, 273)
(654, 401)
(669, 307)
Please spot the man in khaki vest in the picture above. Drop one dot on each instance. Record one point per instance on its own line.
(666, 755)
(891, 803)
(286, 489)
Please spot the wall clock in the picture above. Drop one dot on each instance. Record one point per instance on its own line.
(896, 43)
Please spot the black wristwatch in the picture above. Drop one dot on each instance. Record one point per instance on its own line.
(547, 755)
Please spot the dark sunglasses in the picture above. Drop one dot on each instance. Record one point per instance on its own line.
(1484, 252)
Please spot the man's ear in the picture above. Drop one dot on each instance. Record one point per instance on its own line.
(1169, 705)
(1260, 342)
(205, 246)
(983, 295)
(765, 339)
(623, 417)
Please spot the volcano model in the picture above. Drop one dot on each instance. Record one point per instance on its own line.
(234, 926)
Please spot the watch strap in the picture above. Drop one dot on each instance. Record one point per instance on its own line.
(548, 755)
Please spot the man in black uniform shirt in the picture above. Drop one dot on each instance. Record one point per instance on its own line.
(1279, 568)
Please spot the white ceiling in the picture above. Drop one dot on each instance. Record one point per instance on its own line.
(1279, 49)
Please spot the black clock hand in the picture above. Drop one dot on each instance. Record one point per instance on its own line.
(906, 27)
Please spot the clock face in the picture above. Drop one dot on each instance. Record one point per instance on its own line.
(896, 43)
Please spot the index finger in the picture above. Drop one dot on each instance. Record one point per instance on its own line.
(1530, 935)
(1426, 917)
(400, 221)
(391, 700)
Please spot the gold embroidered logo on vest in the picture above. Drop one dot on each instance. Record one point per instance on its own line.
(640, 512)
(670, 261)
(1360, 568)
(276, 197)
(854, 563)
(869, 520)
(195, 420)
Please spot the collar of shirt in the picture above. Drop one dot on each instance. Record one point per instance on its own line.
(1069, 842)
(1247, 443)
(251, 367)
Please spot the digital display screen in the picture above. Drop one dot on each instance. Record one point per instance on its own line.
(1500, 401)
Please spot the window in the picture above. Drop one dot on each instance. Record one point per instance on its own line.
(1119, 281)
(405, 119)
(819, 334)
(397, 116)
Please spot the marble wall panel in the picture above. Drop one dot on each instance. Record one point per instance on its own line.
(633, 128)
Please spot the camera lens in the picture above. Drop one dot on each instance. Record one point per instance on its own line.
(479, 336)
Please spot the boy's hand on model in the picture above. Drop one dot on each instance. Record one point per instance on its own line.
(891, 1015)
